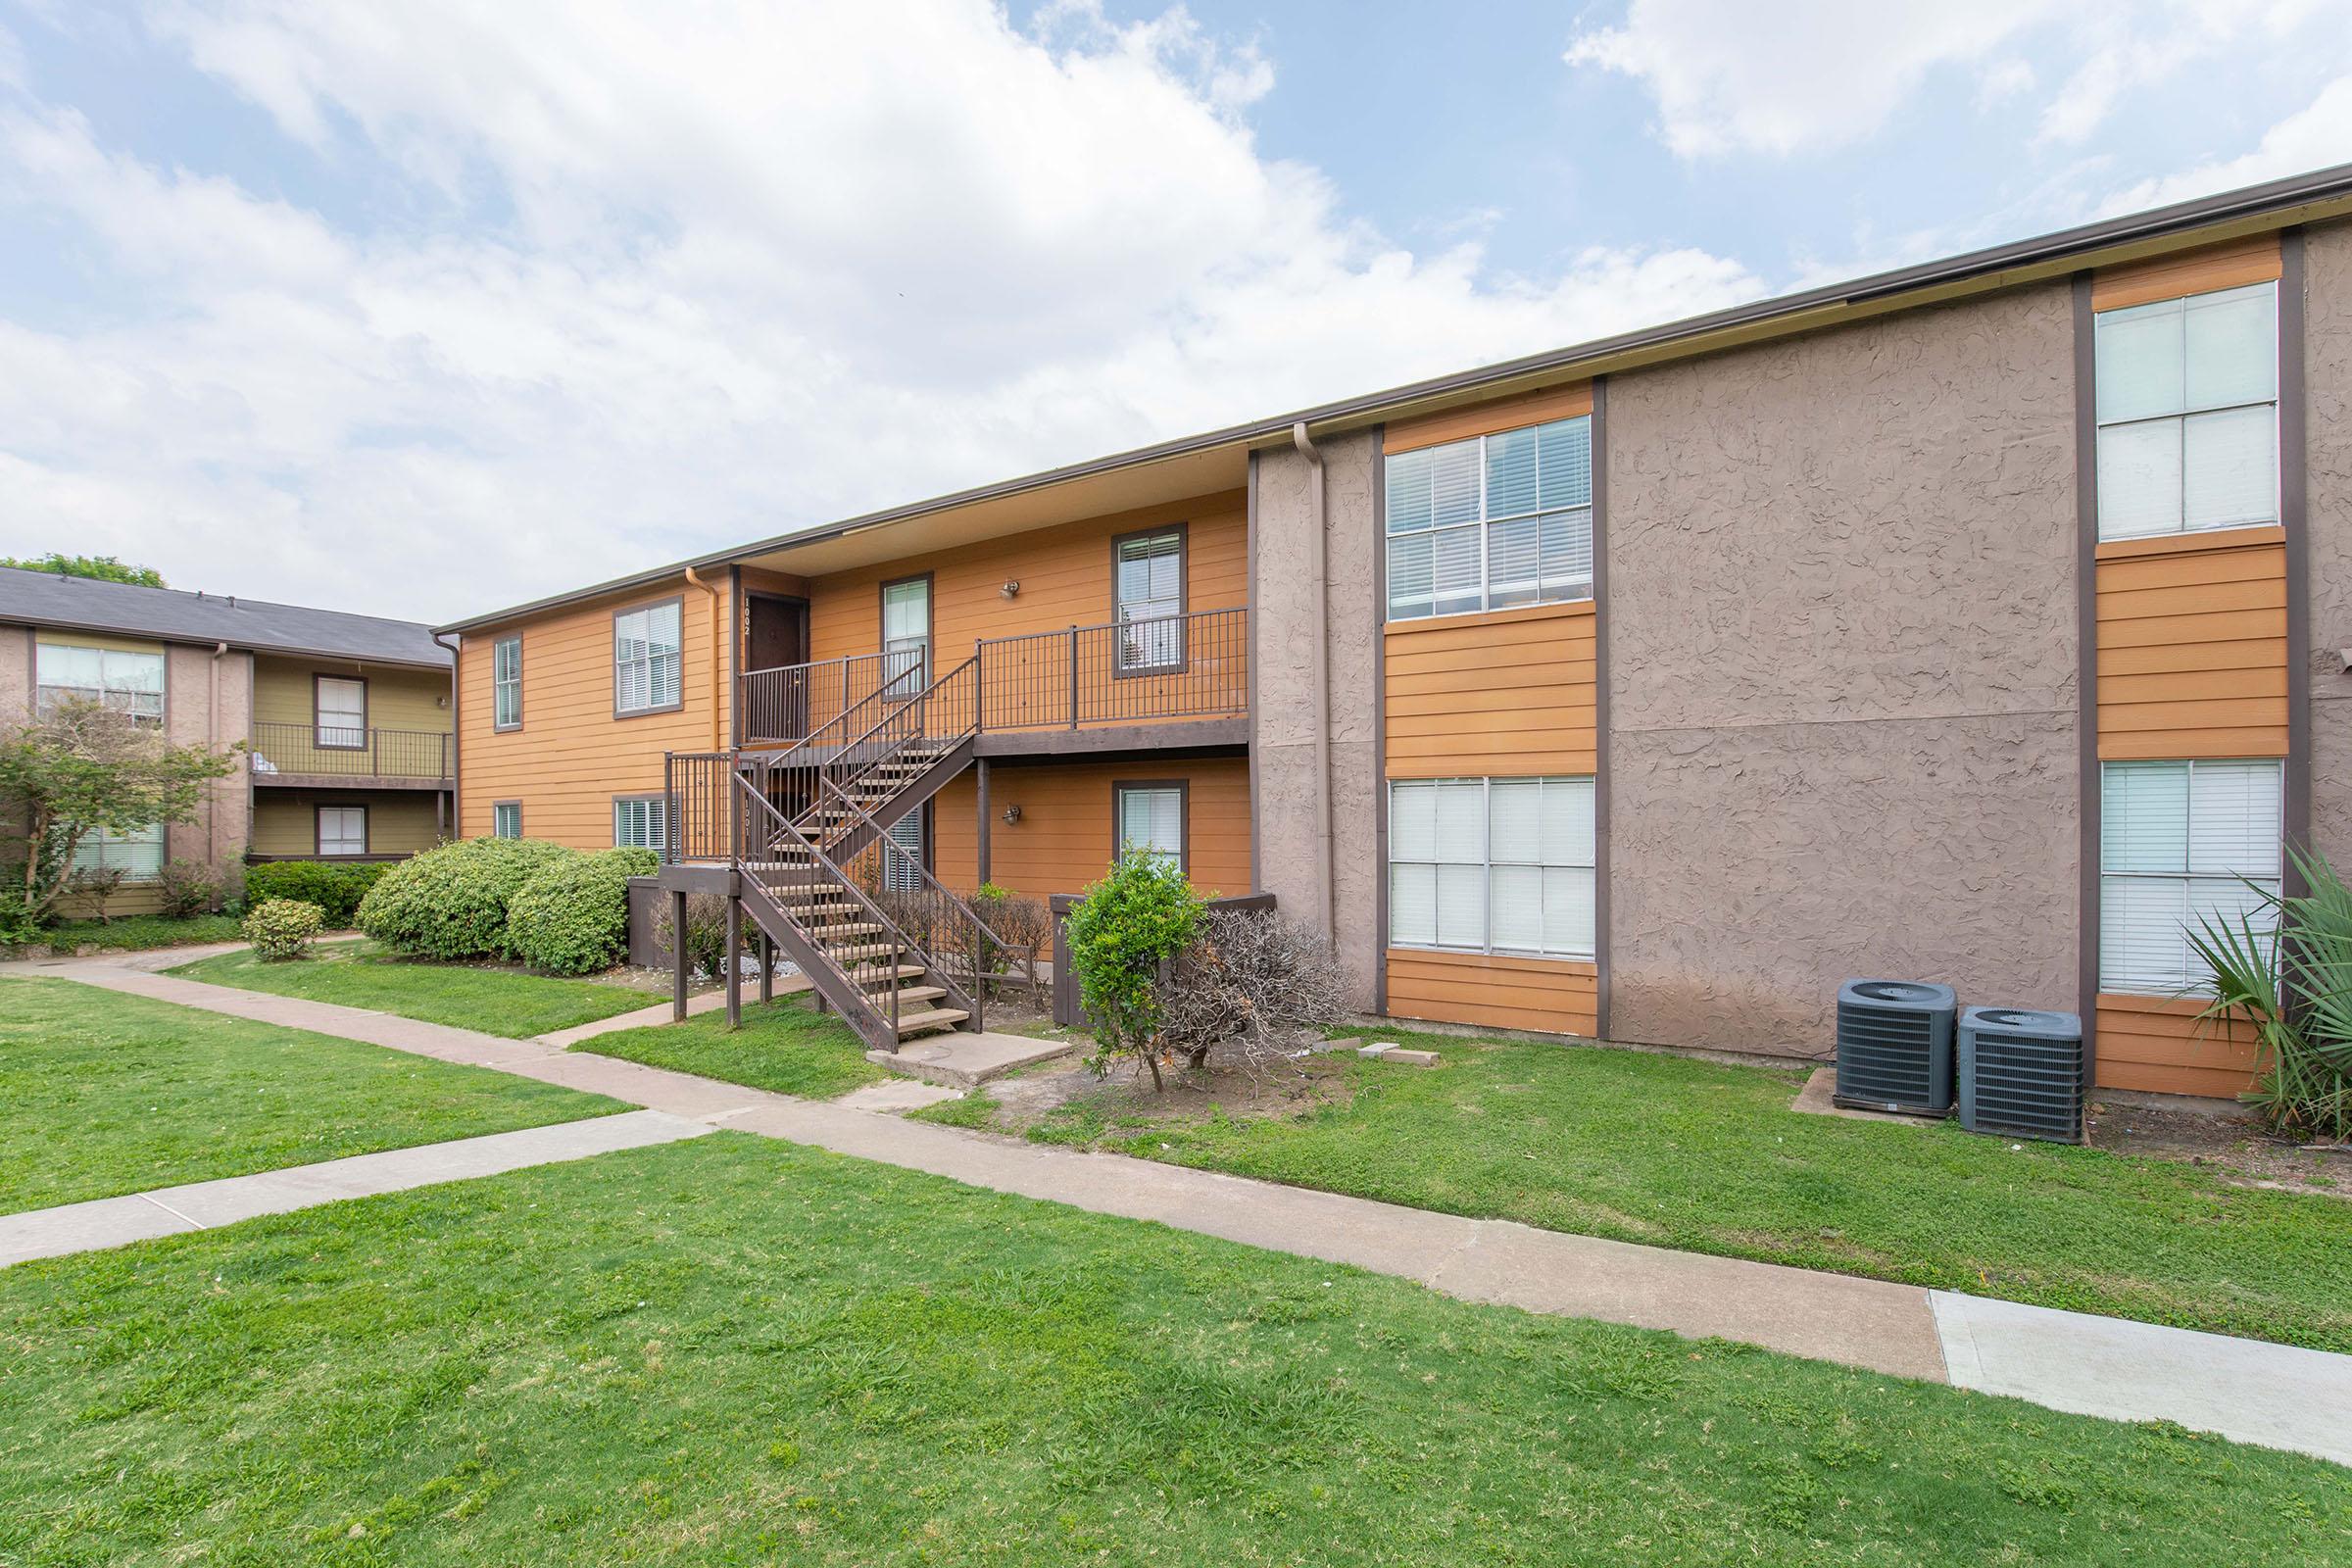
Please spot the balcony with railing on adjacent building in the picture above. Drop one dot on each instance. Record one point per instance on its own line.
(333, 755)
(1171, 680)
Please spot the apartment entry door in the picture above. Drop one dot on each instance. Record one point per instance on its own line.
(775, 706)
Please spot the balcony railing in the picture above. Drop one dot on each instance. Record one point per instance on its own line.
(329, 750)
(1124, 672)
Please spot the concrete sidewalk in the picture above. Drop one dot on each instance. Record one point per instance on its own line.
(2276, 1396)
(201, 1205)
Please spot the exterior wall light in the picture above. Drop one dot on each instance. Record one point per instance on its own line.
(1013, 815)
(1011, 588)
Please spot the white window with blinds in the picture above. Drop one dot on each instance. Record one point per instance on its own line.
(342, 714)
(1492, 866)
(1492, 522)
(2187, 401)
(342, 830)
(1151, 817)
(506, 819)
(902, 851)
(645, 655)
(907, 635)
(1149, 602)
(639, 824)
(505, 683)
(127, 681)
(2178, 844)
(139, 852)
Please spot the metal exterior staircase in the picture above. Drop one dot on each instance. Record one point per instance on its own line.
(884, 943)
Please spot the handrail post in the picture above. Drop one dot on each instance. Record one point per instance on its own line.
(1073, 677)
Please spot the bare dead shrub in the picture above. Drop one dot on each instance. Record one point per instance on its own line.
(1251, 988)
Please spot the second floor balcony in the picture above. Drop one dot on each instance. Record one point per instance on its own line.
(288, 754)
(1184, 677)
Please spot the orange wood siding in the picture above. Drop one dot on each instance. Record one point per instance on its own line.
(2233, 265)
(1504, 694)
(1550, 996)
(2155, 1044)
(1063, 839)
(1064, 573)
(571, 755)
(1485, 419)
(2192, 645)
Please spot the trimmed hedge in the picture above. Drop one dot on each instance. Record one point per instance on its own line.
(451, 901)
(574, 916)
(336, 889)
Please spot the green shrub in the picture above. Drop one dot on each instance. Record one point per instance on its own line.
(335, 888)
(451, 901)
(185, 889)
(282, 929)
(2283, 971)
(574, 916)
(1131, 924)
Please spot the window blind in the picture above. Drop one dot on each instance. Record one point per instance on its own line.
(139, 852)
(906, 633)
(646, 659)
(506, 820)
(1495, 865)
(1152, 818)
(342, 830)
(342, 712)
(2186, 399)
(640, 824)
(2178, 844)
(123, 679)
(902, 851)
(1150, 590)
(506, 682)
(1491, 521)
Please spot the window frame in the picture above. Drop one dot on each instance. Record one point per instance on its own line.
(515, 806)
(157, 833)
(920, 854)
(1485, 523)
(514, 640)
(895, 685)
(1120, 668)
(1183, 788)
(1487, 947)
(2276, 403)
(45, 694)
(652, 798)
(673, 600)
(319, 724)
(318, 832)
(2189, 877)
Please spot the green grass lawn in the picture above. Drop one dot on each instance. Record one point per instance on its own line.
(358, 974)
(733, 1350)
(101, 1093)
(785, 1046)
(1693, 1154)
(140, 933)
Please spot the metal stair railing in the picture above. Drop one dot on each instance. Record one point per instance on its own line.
(773, 881)
(936, 908)
(909, 727)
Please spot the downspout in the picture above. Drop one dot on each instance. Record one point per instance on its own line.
(715, 671)
(211, 743)
(1320, 613)
(457, 802)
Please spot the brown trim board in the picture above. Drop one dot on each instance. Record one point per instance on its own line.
(2087, 664)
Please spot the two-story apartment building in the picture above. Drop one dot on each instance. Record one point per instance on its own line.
(345, 719)
(1978, 622)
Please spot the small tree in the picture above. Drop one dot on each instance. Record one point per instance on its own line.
(2285, 969)
(97, 885)
(1133, 921)
(105, 568)
(81, 769)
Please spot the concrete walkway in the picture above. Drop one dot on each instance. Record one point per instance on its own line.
(201, 1205)
(2276, 1396)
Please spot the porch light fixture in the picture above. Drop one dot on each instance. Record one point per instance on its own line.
(1011, 588)
(1013, 815)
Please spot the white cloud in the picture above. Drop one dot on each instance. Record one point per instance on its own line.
(1804, 75)
(660, 282)
(2316, 136)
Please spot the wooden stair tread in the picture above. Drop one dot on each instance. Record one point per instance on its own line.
(936, 1018)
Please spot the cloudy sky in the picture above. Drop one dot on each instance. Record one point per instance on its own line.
(428, 308)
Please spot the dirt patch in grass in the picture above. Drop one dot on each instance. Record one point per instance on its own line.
(1064, 1103)
(2231, 1147)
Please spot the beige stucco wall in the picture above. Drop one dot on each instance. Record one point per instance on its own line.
(1281, 633)
(220, 834)
(2327, 383)
(1842, 656)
